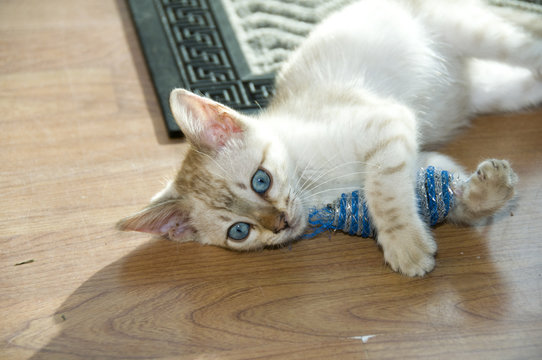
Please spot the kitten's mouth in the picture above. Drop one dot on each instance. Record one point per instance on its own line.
(294, 229)
(281, 223)
(289, 225)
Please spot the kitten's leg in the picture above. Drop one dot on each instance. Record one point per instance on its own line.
(390, 153)
(479, 195)
(475, 31)
(497, 87)
(432, 158)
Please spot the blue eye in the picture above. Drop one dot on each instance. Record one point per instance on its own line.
(239, 231)
(261, 181)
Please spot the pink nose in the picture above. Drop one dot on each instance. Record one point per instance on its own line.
(281, 223)
(272, 219)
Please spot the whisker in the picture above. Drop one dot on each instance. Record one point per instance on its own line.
(328, 190)
(335, 178)
(310, 178)
(336, 168)
(308, 166)
(308, 187)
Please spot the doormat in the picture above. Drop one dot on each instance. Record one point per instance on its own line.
(229, 50)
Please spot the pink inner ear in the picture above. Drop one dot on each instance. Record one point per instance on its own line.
(220, 130)
(210, 124)
(175, 227)
(162, 219)
(218, 123)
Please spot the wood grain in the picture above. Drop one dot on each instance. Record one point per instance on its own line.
(82, 145)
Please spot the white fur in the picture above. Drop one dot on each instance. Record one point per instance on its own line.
(413, 66)
(357, 106)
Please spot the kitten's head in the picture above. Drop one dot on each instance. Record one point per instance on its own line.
(234, 188)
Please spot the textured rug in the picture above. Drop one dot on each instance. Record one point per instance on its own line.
(229, 50)
(268, 30)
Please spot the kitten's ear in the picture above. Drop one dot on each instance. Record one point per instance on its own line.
(207, 124)
(163, 218)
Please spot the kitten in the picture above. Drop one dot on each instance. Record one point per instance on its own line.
(357, 106)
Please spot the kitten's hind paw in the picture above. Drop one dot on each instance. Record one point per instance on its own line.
(486, 191)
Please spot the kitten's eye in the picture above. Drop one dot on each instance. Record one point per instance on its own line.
(261, 181)
(239, 231)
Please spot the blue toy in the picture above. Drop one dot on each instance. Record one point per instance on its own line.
(349, 213)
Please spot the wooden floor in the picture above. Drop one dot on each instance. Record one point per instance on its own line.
(82, 144)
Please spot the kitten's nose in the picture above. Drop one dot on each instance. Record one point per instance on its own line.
(281, 223)
(272, 219)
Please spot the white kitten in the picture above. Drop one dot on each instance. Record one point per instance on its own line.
(374, 86)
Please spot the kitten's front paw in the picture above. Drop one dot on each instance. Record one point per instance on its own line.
(489, 188)
(411, 254)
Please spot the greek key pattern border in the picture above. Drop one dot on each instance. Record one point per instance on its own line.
(205, 64)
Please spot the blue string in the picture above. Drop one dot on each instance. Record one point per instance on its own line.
(436, 209)
(342, 212)
(431, 194)
(355, 209)
(319, 221)
(445, 192)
